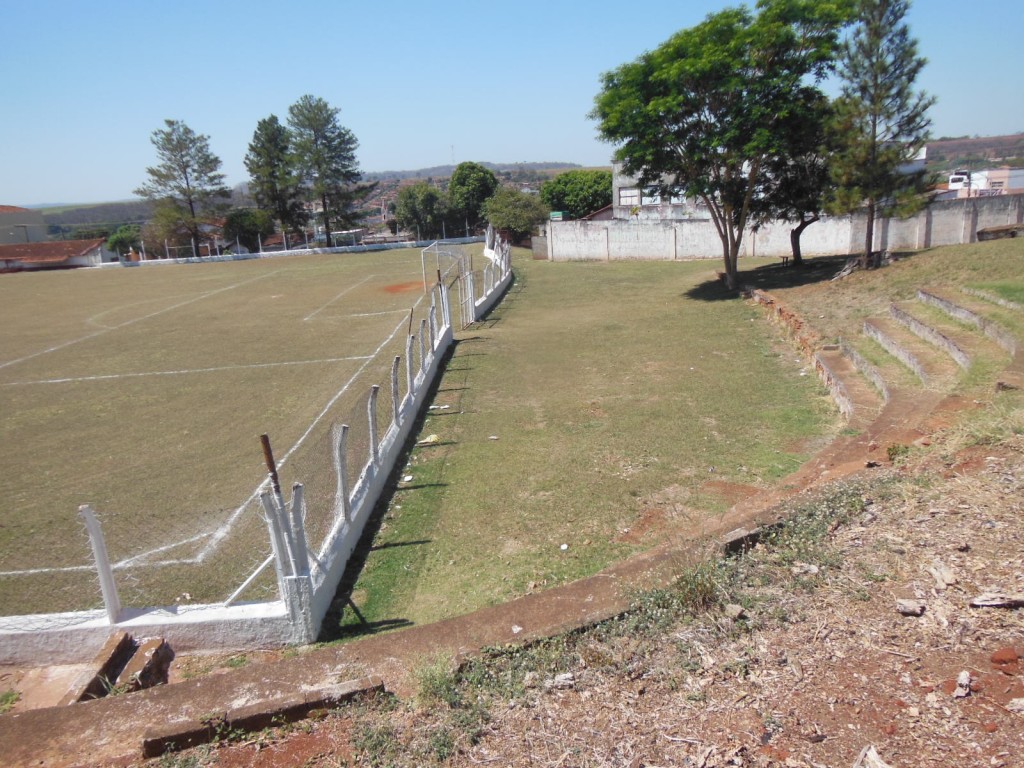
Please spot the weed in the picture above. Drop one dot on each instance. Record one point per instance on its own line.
(437, 683)
(442, 743)
(236, 662)
(379, 743)
(897, 452)
(8, 699)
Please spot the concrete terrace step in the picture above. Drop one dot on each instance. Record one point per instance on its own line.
(857, 399)
(998, 323)
(933, 368)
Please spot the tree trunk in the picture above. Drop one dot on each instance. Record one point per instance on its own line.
(794, 239)
(327, 222)
(869, 237)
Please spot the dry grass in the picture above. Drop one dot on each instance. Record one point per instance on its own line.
(599, 407)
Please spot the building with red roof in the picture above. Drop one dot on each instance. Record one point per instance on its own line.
(59, 254)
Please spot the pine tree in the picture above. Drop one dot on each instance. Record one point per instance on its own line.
(325, 156)
(881, 122)
(272, 177)
(185, 186)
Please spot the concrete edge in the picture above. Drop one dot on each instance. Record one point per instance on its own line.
(183, 734)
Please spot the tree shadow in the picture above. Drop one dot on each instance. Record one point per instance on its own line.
(773, 276)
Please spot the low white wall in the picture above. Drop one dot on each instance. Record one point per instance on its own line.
(947, 222)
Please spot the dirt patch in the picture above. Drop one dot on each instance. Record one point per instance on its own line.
(733, 493)
(413, 285)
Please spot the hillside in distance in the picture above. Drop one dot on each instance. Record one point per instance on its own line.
(443, 171)
(976, 152)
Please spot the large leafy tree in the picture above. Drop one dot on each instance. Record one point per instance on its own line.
(125, 238)
(578, 192)
(470, 185)
(186, 184)
(325, 157)
(707, 110)
(881, 121)
(273, 181)
(423, 209)
(515, 212)
(248, 226)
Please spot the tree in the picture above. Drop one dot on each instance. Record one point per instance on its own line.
(516, 212)
(186, 184)
(325, 156)
(125, 238)
(800, 181)
(272, 178)
(470, 185)
(578, 192)
(421, 208)
(248, 226)
(881, 123)
(705, 112)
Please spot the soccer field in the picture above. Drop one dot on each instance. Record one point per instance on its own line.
(142, 392)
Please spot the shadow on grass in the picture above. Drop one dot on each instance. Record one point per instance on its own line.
(775, 276)
(393, 544)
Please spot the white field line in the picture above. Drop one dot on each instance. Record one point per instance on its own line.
(317, 311)
(126, 323)
(184, 371)
(377, 314)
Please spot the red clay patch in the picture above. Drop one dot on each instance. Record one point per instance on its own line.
(414, 285)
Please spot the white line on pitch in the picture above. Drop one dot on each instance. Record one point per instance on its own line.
(137, 319)
(185, 371)
(377, 314)
(316, 311)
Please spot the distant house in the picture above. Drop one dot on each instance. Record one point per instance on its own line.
(60, 254)
(21, 225)
(631, 201)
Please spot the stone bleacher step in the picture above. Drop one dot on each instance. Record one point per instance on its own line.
(858, 400)
(932, 367)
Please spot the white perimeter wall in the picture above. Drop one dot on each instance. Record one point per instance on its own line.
(948, 222)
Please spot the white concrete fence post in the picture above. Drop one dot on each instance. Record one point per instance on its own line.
(396, 411)
(410, 374)
(342, 501)
(277, 541)
(111, 600)
(371, 414)
(423, 346)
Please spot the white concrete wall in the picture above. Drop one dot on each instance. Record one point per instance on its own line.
(946, 222)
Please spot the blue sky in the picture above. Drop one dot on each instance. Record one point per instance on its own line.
(85, 83)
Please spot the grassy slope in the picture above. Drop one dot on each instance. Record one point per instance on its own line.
(614, 399)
